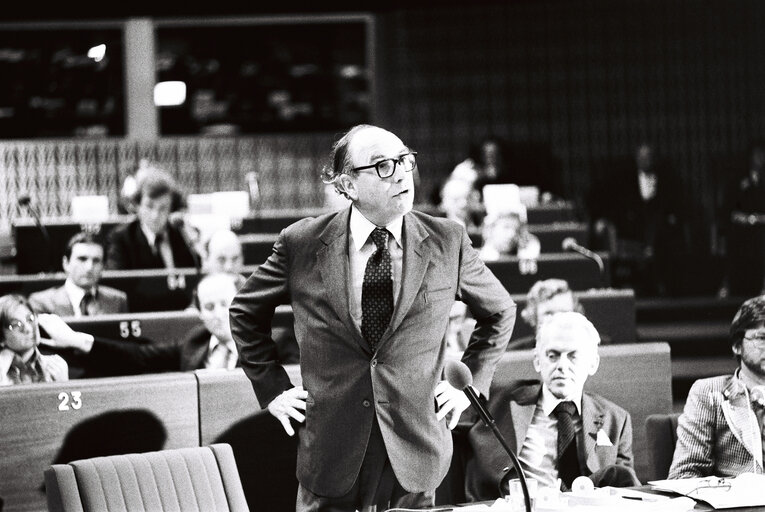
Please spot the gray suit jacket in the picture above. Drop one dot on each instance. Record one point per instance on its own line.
(513, 408)
(717, 433)
(349, 386)
(55, 300)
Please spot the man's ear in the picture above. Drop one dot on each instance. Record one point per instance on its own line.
(64, 263)
(348, 186)
(535, 362)
(594, 365)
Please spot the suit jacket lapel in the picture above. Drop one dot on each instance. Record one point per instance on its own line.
(62, 302)
(522, 408)
(592, 422)
(416, 259)
(335, 273)
(741, 419)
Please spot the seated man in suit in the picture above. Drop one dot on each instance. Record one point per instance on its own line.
(558, 430)
(81, 294)
(207, 346)
(151, 241)
(722, 429)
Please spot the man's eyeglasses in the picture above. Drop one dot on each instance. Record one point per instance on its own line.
(757, 339)
(24, 325)
(386, 168)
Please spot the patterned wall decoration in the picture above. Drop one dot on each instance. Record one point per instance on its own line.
(585, 80)
(52, 172)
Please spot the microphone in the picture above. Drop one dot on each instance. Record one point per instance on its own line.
(26, 201)
(458, 375)
(570, 244)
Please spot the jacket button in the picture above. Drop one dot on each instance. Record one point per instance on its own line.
(374, 363)
(366, 403)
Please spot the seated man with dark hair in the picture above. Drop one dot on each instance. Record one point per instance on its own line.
(208, 346)
(151, 241)
(558, 430)
(722, 429)
(81, 294)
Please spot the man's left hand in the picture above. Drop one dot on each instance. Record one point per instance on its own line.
(450, 399)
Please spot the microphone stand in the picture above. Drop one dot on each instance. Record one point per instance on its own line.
(25, 201)
(489, 422)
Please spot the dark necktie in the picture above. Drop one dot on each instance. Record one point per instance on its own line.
(377, 291)
(87, 303)
(158, 249)
(25, 373)
(568, 460)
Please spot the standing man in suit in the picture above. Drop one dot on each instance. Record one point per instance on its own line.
(371, 287)
(722, 429)
(81, 295)
(558, 430)
(151, 241)
(207, 346)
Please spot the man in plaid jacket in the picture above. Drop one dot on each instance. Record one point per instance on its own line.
(721, 431)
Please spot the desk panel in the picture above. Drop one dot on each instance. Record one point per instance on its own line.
(265, 454)
(580, 272)
(54, 422)
(167, 327)
(611, 311)
(257, 246)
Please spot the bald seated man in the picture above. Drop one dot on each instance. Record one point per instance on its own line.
(223, 252)
(371, 287)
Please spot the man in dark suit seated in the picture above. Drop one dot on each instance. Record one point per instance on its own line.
(81, 294)
(207, 346)
(151, 241)
(558, 431)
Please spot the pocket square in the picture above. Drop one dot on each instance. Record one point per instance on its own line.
(602, 439)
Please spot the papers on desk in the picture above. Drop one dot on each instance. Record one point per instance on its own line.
(742, 491)
(606, 499)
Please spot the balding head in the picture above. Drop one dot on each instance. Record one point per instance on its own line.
(224, 253)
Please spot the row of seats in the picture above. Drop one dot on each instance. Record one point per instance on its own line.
(63, 421)
(611, 311)
(257, 246)
(36, 252)
(163, 289)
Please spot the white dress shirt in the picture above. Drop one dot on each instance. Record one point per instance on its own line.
(75, 294)
(164, 248)
(361, 248)
(540, 448)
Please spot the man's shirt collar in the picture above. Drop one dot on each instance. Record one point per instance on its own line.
(361, 228)
(550, 401)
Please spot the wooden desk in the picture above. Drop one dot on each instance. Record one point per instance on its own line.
(273, 221)
(257, 246)
(580, 272)
(59, 422)
(147, 290)
(34, 254)
(611, 311)
(166, 327)
(265, 455)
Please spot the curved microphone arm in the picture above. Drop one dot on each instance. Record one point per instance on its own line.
(458, 375)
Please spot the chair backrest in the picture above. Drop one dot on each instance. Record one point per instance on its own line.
(199, 478)
(661, 436)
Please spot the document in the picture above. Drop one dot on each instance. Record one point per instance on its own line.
(721, 493)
